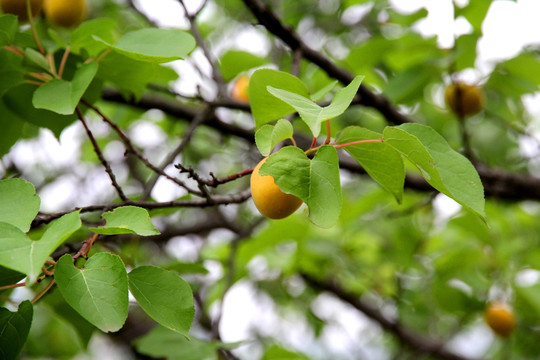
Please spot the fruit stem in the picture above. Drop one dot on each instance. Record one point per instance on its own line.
(358, 142)
(328, 132)
(43, 292)
(14, 50)
(32, 26)
(11, 286)
(63, 62)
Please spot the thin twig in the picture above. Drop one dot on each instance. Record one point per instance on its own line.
(63, 62)
(98, 152)
(198, 120)
(131, 149)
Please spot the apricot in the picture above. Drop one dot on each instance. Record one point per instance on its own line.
(18, 7)
(240, 88)
(268, 197)
(500, 318)
(464, 99)
(65, 13)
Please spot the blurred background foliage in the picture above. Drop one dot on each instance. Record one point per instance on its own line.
(424, 264)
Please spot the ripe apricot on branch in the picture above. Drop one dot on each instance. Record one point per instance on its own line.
(239, 90)
(464, 99)
(268, 197)
(500, 318)
(18, 7)
(66, 13)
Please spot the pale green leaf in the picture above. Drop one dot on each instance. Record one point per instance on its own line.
(19, 203)
(268, 136)
(98, 292)
(127, 220)
(153, 45)
(164, 296)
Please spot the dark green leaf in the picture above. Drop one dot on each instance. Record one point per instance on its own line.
(8, 28)
(14, 328)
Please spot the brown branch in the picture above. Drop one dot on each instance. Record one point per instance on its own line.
(197, 120)
(131, 149)
(102, 159)
(414, 341)
(238, 198)
(269, 20)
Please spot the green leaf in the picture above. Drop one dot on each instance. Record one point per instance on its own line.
(18, 100)
(443, 168)
(8, 29)
(127, 220)
(98, 292)
(312, 114)
(408, 86)
(466, 51)
(164, 296)
(268, 136)
(62, 96)
(234, 62)
(37, 58)
(153, 45)
(82, 36)
(164, 343)
(314, 181)
(18, 252)
(382, 162)
(131, 76)
(14, 329)
(264, 106)
(8, 276)
(19, 203)
(187, 268)
(322, 92)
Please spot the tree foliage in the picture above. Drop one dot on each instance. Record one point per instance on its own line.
(415, 215)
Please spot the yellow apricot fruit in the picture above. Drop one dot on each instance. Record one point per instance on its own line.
(18, 7)
(500, 318)
(239, 90)
(66, 13)
(464, 99)
(268, 197)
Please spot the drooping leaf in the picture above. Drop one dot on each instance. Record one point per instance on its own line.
(14, 329)
(164, 296)
(268, 136)
(311, 113)
(18, 252)
(443, 168)
(164, 343)
(127, 220)
(98, 292)
(314, 181)
(36, 58)
(19, 203)
(264, 106)
(382, 162)
(153, 45)
(62, 96)
(233, 62)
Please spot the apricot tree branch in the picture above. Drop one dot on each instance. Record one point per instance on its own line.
(99, 154)
(414, 341)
